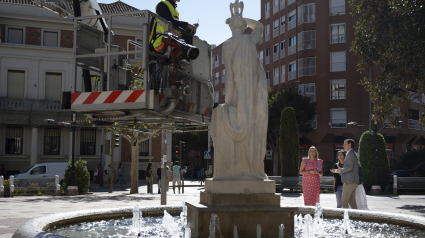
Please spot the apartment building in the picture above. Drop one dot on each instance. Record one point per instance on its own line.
(306, 43)
(35, 67)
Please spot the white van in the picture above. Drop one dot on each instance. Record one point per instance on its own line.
(44, 172)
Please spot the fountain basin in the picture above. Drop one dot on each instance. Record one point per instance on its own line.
(38, 227)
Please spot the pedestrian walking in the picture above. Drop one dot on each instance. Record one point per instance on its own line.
(349, 175)
(97, 174)
(158, 178)
(108, 172)
(337, 178)
(169, 177)
(148, 175)
(311, 168)
(177, 175)
(121, 178)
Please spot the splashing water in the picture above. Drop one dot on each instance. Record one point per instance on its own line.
(258, 231)
(318, 227)
(214, 223)
(183, 214)
(296, 222)
(346, 224)
(137, 221)
(187, 232)
(300, 220)
(170, 226)
(281, 227)
(307, 228)
(235, 232)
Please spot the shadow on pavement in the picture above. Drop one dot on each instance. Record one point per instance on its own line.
(414, 208)
(291, 195)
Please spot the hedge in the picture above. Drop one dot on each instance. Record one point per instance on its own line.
(289, 143)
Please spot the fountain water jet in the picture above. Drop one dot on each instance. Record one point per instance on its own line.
(258, 231)
(281, 228)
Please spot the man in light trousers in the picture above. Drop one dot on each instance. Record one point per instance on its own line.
(349, 175)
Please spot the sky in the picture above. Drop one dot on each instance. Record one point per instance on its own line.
(212, 15)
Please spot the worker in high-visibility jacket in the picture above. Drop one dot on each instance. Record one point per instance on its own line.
(167, 10)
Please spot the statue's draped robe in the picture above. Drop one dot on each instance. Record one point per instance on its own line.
(239, 127)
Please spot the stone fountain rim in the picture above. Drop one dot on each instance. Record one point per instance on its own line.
(38, 227)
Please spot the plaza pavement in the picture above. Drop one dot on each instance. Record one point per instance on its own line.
(16, 211)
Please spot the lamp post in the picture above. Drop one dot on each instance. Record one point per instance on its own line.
(375, 135)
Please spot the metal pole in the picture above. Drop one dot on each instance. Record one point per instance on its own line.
(73, 149)
(108, 50)
(101, 159)
(375, 133)
(164, 182)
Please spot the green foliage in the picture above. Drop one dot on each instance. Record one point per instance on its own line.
(367, 160)
(289, 143)
(410, 160)
(6, 185)
(82, 176)
(390, 36)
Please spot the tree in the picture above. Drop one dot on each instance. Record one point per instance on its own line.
(390, 35)
(367, 160)
(289, 143)
(304, 112)
(82, 176)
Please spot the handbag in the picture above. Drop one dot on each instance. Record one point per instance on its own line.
(147, 174)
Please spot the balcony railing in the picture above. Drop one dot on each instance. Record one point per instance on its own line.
(292, 75)
(275, 32)
(306, 71)
(282, 78)
(282, 53)
(414, 124)
(276, 80)
(27, 104)
(267, 60)
(292, 49)
(337, 66)
(267, 37)
(334, 11)
(267, 14)
(275, 9)
(338, 38)
(282, 4)
(282, 29)
(290, 2)
(292, 24)
(216, 64)
(222, 78)
(275, 56)
(216, 81)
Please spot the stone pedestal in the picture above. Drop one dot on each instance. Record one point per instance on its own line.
(72, 191)
(376, 189)
(240, 186)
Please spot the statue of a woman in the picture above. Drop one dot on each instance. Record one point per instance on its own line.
(239, 127)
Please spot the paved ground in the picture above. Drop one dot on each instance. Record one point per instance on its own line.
(16, 211)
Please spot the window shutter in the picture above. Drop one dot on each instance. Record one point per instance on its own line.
(53, 86)
(15, 83)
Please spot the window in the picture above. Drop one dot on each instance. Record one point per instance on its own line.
(314, 122)
(144, 148)
(306, 13)
(337, 7)
(267, 56)
(267, 29)
(282, 49)
(413, 116)
(275, 52)
(307, 40)
(52, 139)
(338, 33)
(223, 95)
(275, 6)
(261, 57)
(217, 79)
(308, 90)
(338, 89)
(292, 46)
(276, 76)
(15, 83)
(267, 9)
(15, 35)
(290, 2)
(307, 66)
(38, 170)
(282, 24)
(292, 69)
(292, 20)
(50, 38)
(53, 86)
(87, 142)
(14, 138)
(216, 97)
(139, 55)
(282, 4)
(268, 78)
(276, 28)
(216, 63)
(337, 61)
(338, 118)
(223, 76)
(282, 74)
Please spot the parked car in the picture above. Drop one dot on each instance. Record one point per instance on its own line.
(418, 171)
(43, 173)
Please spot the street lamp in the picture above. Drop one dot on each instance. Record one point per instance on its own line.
(375, 135)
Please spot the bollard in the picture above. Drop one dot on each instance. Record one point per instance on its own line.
(12, 187)
(1, 187)
(57, 186)
(395, 185)
(182, 186)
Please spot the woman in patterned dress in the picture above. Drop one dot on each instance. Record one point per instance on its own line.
(311, 168)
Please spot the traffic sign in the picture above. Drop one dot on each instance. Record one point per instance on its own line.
(207, 155)
(268, 154)
(192, 153)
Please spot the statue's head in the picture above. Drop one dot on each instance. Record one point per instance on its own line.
(236, 20)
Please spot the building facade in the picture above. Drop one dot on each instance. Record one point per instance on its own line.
(36, 65)
(306, 43)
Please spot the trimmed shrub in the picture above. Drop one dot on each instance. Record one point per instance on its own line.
(367, 160)
(82, 176)
(289, 143)
(6, 185)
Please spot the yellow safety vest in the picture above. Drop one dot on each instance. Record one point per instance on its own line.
(160, 27)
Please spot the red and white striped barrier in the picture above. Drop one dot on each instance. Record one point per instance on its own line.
(129, 99)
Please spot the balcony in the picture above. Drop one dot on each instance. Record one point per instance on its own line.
(282, 78)
(292, 75)
(335, 11)
(275, 32)
(267, 14)
(292, 24)
(275, 9)
(307, 71)
(292, 49)
(267, 60)
(414, 124)
(275, 56)
(222, 78)
(276, 80)
(282, 4)
(338, 38)
(282, 53)
(27, 104)
(216, 64)
(267, 37)
(290, 2)
(282, 29)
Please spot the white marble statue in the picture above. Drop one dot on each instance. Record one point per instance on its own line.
(239, 126)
